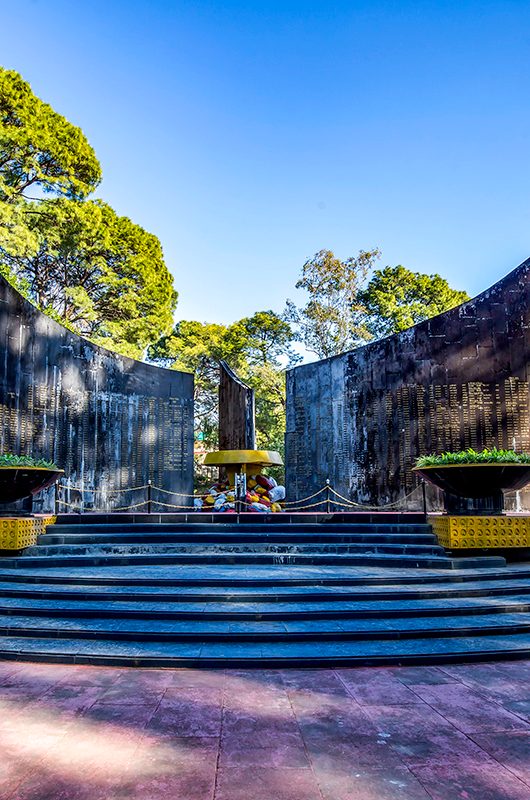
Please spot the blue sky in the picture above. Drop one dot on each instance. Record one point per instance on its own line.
(249, 135)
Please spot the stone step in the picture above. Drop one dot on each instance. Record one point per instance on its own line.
(239, 548)
(231, 594)
(64, 607)
(379, 560)
(257, 593)
(260, 528)
(255, 576)
(211, 537)
(266, 655)
(308, 630)
(203, 518)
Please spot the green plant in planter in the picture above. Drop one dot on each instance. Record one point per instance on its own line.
(470, 456)
(10, 460)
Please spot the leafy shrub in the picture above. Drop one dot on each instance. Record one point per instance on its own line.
(10, 460)
(470, 456)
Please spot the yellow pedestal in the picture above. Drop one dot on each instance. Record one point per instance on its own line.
(246, 461)
(16, 533)
(492, 532)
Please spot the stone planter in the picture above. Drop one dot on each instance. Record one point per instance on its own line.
(16, 483)
(476, 488)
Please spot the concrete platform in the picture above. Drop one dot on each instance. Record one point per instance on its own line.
(402, 733)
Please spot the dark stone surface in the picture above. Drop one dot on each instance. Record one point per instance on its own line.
(458, 380)
(233, 603)
(110, 422)
(236, 412)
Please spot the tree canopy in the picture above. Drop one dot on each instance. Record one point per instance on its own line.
(351, 303)
(96, 272)
(332, 320)
(396, 298)
(39, 147)
(100, 274)
(259, 348)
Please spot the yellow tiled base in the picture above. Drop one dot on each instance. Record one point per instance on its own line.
(501, 532)
(19, 532)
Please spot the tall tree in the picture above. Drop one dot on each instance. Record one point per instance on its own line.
(332, 320)
(41, 152)
(198, 347)
(268, 352)
(98, 273)
(39, 148)
(396, 298)
(257, 347)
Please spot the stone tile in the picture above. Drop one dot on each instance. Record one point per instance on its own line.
(134, 717)
(283, 751)
(474, 782)
(420, 735)
(344, 751)
(376, 687)
(244, 724)
(516, 672)
(266, 783)
(13, 770)
(501, 681)
(371, 784)
(323, 681)
(188, 712)
(512, 750)
(330, 715)
(133, 694)
(145, 678)
(258, 678)
(210, 678)
(43, 785)
(92, 676)
(519, 707)
(89, 733)
(468, 710)
(424, 675)
(68, 697)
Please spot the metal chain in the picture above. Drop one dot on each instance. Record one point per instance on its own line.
(101, 491)
(296, 503)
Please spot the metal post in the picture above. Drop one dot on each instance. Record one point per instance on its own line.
(56, 498)
(424, 495)
(149, 490)
(328, 502)
(240, 489)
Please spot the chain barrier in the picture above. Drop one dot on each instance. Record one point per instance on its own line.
(66, 487)
(288, 506)
(309, 497)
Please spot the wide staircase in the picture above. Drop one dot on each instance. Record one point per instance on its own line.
(375, 590)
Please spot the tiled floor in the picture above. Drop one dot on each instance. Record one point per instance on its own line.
(409, 733)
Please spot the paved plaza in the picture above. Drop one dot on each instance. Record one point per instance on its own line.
(407, 733)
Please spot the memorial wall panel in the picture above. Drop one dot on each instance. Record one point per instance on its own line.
(458, 380)
(110, 422)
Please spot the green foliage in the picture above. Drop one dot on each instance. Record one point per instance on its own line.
(396, 298)
(258, 348)
(347, 307)
(39, 147)
(10, 460)
(470, 456)
(332, 320)
(197, 347)
(99, 274)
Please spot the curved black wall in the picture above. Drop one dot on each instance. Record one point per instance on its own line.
(110, 422)
(458, 380)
